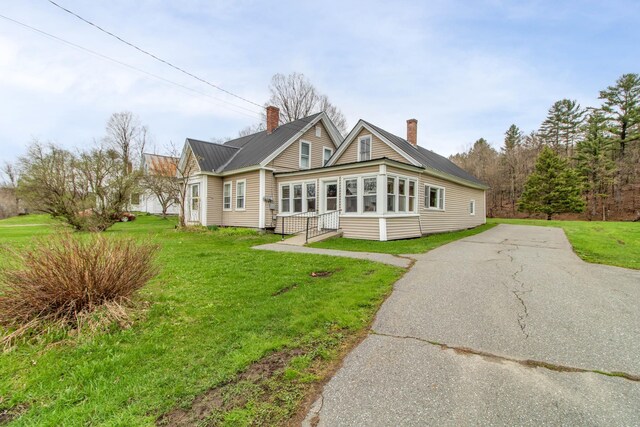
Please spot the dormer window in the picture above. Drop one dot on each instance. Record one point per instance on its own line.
(364, 148)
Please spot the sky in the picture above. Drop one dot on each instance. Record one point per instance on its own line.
(464, 69)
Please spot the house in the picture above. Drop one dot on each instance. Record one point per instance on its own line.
(156, 170)
(370, 185)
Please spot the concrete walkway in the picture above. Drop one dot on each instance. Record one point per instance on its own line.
(507, 327)
(397, 261)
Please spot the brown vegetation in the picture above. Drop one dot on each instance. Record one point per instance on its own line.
(64, 279)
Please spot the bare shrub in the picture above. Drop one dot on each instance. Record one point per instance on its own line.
(69, 279)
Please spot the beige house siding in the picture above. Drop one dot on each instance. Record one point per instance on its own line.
(289, 159)
(250, 216)
(366, 228)
(214, 200)
(403, 227)
(456, 213)
(270, 191)
(379, 149)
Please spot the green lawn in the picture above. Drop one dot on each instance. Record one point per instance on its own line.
(217, 307)
(612, 243)
(399, 247)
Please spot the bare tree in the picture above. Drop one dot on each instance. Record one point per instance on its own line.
(87, 190)
(127, 137)
(161, 181)
(186, 165)
(296, 98)
(11, 175)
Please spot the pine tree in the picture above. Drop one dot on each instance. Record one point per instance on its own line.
(554, 187)
(510, 160)
(561, 128)
(594, 161)
(622, 107)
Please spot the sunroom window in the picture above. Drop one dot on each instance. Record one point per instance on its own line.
(297, 198)
(369, 191)
(412, 196)
(402, 195)
(351, 195)
(285, 203)
(391, 194)
(311, 196)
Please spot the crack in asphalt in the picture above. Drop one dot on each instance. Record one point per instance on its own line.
(528, 363)
(521, 318)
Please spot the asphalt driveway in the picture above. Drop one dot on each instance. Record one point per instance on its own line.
(508, 327)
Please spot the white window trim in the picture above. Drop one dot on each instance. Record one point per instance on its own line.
(343, 194)
(244, 195)
(444, 197)
(291, 210)
(472, 202)
(300, 154)
(360, 138)
(396, 189)
(324, 150)
(230, 184)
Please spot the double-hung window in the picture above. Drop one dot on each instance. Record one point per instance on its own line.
(369, 194)
(311, 196)
(297, 197)
(305, 155)
(412, 196)
(402, 195)
(326, 155)
(351, 195)
(391, 194)
(364, 148)
(285, 201)
(226, 203)
(240, 189)
(433, 197)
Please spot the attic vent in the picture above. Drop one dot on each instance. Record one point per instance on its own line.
(318, 131)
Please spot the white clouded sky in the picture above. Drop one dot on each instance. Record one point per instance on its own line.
(464, 69)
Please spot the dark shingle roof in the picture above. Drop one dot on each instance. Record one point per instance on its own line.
(427, 158)
(248, 150)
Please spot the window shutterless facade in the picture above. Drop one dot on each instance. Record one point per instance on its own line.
(326, 155)
(369, 194)
(401, 195)
(364, 148)
(226, 202)
(240, 194)
(298, 197)
(472, 207)
(351, 195)
(434, 197)
(305, 155)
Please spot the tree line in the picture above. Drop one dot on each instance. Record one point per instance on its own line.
(596, 148)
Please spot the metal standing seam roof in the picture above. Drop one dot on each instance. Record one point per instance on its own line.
(427, 158)
(245, 151)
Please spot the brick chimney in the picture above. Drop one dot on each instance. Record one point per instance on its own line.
(412, 131)
(273, 118)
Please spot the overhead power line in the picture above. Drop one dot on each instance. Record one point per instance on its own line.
(152, 55)
(254, 114)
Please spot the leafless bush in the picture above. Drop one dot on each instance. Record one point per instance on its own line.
(68, 279)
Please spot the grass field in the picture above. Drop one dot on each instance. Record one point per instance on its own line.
(217, 308)
(399, 247)
(612, 243)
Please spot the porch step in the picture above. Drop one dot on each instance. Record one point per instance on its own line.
(299, 239)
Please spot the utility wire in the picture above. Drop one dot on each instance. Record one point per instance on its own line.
(92, 52)
(152, 55)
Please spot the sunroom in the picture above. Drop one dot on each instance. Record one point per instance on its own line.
(362, 200)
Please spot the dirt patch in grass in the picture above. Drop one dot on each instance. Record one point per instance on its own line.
(284, 290)
(321, 273)
(8, 415)
(251, 384)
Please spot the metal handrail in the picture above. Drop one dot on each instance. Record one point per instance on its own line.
(312, 223)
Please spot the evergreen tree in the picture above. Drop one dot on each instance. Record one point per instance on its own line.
(510, 160)
(593, 161)
(554, 187)
(562, 127)
(622, 107)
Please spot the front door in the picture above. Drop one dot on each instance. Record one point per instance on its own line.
(194, 203)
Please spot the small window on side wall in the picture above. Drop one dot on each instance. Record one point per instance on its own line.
(433, 197)
(240, 188)
(472, 207)
(227, 196)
